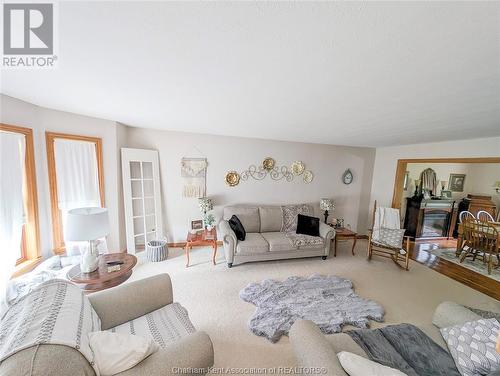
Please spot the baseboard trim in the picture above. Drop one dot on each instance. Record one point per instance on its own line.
(183, 244)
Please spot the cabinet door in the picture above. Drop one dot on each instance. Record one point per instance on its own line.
(142, 197)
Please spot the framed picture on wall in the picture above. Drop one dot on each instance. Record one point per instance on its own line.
(456, 182)
(406, 181)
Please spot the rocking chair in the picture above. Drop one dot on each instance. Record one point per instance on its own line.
(386, 237)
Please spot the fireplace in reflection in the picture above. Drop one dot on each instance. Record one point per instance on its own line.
(436, 223)
(429, 218)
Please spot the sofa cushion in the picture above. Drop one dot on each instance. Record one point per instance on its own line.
(248, 216)
(472, 346)
(253, 243)
(356, 365)
(271, 218)
(278, 241)
(237, 227)
(307, 225)
(165, 325)
(290, 213)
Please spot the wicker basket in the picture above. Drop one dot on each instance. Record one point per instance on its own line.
(157, 250)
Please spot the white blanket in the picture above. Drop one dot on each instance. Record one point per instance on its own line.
(56, 312)
(385, 218)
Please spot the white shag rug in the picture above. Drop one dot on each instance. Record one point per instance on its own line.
(328, 301)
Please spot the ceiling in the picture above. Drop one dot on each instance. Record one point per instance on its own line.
(345, 73)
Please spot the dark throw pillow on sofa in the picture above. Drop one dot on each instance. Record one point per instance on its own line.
(237, 227)
(307, 225)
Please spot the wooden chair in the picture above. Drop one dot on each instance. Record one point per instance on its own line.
(484, 216)
(378, 248)
(465, 215)
(481, 237)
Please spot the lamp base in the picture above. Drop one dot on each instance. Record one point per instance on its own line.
(89, 261)
(326, 215)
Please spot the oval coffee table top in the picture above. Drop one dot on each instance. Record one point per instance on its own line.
(101, 278)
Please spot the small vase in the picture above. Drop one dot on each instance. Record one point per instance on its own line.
(210, 228)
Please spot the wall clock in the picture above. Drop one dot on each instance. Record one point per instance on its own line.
(347, 177)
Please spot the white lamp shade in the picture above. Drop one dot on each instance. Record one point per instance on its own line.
(326, 204)
(86, 224)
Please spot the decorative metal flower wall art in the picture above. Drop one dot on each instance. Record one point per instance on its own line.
(232, 178)
(269, 168)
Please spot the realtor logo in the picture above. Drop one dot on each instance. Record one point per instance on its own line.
(28, 35)
(28, 29)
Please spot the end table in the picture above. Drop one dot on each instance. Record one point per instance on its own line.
(101, 279)
(343, 233)
(202, 238)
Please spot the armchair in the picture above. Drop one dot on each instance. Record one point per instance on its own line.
(139, 301)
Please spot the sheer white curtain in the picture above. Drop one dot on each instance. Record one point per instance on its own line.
(77, 180)
(12, 153)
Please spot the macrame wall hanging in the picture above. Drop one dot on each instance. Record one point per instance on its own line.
(194, 173)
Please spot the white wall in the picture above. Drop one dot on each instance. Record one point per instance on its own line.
(230, 153)
(20, 113)
(386, 160)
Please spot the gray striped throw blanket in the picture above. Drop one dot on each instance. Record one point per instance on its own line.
(56, 312)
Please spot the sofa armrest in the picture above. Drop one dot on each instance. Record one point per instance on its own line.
(326, 232)
(229, 240)
(192, 355)
(132, 300)
(450, 314)
(312, 350)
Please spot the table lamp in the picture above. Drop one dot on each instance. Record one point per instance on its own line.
(327, 205)
(417, 185)
(205, 204)
(87, 224)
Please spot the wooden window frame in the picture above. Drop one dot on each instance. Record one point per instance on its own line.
(57, 228)
(30, 242)
(397, 193)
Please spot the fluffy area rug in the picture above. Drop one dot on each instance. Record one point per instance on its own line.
(328, 301)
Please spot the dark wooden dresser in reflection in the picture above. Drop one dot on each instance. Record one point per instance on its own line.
(430, 218)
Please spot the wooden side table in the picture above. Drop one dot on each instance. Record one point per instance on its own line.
(343, 233)
(202, 238)
(100, 279)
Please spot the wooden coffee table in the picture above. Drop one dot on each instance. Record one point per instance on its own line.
(202, 238)
(343, 233)
(101, 279)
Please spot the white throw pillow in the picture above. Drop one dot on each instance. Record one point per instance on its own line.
(356, 365)
(117, 352)
(472, 346)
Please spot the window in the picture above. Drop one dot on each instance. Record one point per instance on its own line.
(19, 225)
(75, 178)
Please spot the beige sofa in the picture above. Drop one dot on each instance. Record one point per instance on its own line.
(313, 349)
(115, 307)
(264, 239)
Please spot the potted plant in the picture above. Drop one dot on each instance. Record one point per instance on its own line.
(209, 222)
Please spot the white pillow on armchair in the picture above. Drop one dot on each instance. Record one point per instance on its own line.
(118, 352)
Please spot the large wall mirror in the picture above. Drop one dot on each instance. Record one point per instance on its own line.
(432, 193)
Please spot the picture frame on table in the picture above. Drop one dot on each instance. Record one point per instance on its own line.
(446, 194)
(196, 225)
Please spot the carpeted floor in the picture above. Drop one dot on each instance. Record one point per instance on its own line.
(210, 293)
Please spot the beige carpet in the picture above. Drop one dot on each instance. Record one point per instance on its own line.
(210, 293)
